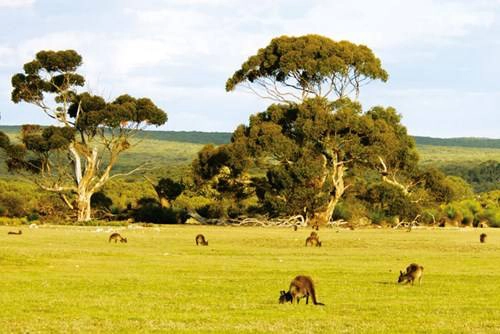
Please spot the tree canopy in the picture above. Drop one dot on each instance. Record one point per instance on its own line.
(295, 68)
(309, 147)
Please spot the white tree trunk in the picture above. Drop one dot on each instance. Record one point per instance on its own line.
(84, 209)
(336, 173)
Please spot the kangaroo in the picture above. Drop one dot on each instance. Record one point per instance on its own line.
(413, 272)
(482, 237)
(313, 241)
(300, 287)
(295, 227)
(116, 236)
(314, 235)
(17, 233)
(200, 240)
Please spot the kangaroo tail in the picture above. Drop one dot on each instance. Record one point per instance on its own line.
(313, 296)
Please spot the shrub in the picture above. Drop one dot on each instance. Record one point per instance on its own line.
(33, 216)
(150, 211)
(341, 212)
(377, 217)
(212, 210)
(12, 221)
(12, 204)
(99, 200)
(493, 216)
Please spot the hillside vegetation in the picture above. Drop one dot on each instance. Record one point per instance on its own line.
(165, 149)
(460, 142)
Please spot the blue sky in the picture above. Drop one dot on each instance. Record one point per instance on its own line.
(442, 56)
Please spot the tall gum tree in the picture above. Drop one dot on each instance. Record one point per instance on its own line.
(311, 138)
(76, 157)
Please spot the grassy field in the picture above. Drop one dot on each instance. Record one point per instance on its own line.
(70, 280)
(439, 155)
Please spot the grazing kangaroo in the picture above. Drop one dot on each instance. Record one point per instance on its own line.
(116, 236)
(313, 241)
(16, 233)
(200, 240)
(300, 287)
(295, 227)
(413, 272)
(482, 237)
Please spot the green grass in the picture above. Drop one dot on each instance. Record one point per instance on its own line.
(70, 280)
(441, 155)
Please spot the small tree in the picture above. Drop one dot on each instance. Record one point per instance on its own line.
(167, 190)
(75, 158)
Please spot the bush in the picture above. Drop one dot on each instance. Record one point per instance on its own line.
(99, 200)
(122, 192)
(191, 201)
(377, 217)
(18, 198)
(150, 211)
(430, 216)
(213, 210)
(341, 212)
(13, 221)
(472, 211)
(12, 204)
(493, 216)
(32, 217)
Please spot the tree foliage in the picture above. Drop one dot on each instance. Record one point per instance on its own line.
(308, 66)
(76, 157)
(307, 150)
(484, 176)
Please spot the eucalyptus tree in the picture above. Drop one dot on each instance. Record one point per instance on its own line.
(74, 158)
(315, 132)
(296, 68)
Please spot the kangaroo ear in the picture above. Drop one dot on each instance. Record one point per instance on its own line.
(401, 273)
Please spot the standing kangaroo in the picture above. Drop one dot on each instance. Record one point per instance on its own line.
(300, 287)
(116, 236)
(482, 237)
(200, 240)
(313, 240)
(16, 233)
(413, 272)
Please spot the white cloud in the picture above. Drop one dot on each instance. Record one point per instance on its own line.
(240, 28)
(180, 52)
(393, 23)
(443, 112)
(16, 3)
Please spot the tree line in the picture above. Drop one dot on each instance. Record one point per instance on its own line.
(315, 151)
